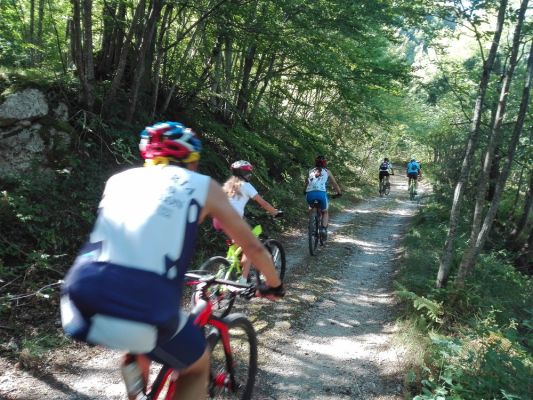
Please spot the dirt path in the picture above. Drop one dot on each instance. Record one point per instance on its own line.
(331, 338)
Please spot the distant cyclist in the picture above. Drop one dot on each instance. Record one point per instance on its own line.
(413, 171)
(316, 189)
(385, 169)
(239, 191)
(123, 290)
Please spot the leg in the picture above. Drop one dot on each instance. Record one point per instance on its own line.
(325, 218)
(192, 382)
(245, 263)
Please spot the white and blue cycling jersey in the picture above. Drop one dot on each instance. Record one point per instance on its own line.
(135, 260)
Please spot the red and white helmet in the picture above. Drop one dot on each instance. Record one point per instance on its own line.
(242, 169)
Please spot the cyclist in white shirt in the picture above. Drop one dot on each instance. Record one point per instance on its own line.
(316, 189)
(239, 191)
(124, 289)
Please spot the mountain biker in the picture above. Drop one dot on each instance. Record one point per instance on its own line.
(123, 290)
(385, 169)
(239, 191)
(315, 189)
(413, 171)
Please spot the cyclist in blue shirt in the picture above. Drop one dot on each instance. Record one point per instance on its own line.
(413, 171)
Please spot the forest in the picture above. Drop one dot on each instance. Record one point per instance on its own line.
(276, 83)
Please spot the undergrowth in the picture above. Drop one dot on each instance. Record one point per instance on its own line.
(473, 344)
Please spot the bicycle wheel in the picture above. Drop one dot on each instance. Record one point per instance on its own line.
(381, 190)
(313, 232)
(221, 298)
(412, 191)
(387, 189)
(277, 252)
(163, 386)
(233, 358)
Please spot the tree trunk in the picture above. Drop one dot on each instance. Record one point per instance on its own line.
(88, 58)
(470, 254)
(491, 213)
(146, 43)
(123, 60)
(446, 260)
(522, 226)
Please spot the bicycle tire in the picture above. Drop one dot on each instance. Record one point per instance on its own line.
(412, 191)
(313, 233)
(233, 369)
(387, 188)
(277, 252)
(380, 189)
(221, 299)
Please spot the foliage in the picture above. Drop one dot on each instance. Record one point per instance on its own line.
(480, 338)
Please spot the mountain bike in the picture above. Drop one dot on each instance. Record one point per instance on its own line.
(231, 340)
(384, 186)
(313, 226)
(230, 268)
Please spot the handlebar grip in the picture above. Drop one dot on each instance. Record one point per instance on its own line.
(279, 214)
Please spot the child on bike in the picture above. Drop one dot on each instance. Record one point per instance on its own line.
(239, 191)
(124, 288)
(316, 189)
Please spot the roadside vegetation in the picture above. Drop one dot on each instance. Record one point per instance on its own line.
(277, 83)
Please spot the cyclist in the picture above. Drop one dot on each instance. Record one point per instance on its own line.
(315, 189)
(385, 169)
(413, 171)
(239, 191)
(123, 290)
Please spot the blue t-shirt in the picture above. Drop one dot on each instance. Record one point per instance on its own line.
(413, 167)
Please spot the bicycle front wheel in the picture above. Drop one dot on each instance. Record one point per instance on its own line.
(221, 298)
(233, 358)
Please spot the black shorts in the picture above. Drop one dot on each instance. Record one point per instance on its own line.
(412, 175)
(382, 174)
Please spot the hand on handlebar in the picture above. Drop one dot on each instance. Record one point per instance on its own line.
(270, 293)
(279, 214)
(336, 195)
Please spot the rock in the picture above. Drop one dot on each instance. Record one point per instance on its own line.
(28, 104)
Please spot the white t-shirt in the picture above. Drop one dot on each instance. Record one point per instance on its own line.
(239, 202)
(317, 180)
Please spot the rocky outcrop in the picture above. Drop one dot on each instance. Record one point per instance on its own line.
(32, 128)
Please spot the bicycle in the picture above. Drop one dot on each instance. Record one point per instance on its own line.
(230, 268)
(384, 187)
(231, 340)
(313, 227)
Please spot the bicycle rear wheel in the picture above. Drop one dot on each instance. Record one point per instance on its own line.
(277, 252)
(233, 361)
(313, 232)
(412, 191)
(221, 298)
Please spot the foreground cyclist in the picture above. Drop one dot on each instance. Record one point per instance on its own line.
(124, 289)
(385, 169)
(413, 171)
(316, 189)
(239, 191)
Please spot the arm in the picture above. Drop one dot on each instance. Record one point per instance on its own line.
(265, 205)
(305, 185)
(334, 183)
(217, 205)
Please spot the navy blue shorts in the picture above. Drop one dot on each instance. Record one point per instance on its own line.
(182, 350)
